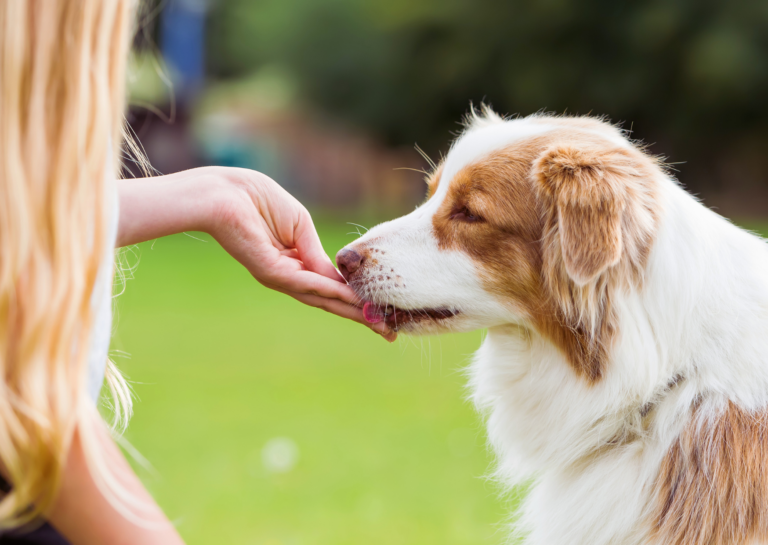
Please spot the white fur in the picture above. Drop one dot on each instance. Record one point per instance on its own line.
(702, 313)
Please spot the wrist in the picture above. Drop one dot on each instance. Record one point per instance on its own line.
(160, 206)
(226, 192)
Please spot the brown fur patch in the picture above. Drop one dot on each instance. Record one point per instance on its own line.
(586, 191)
(555, 237)
(712, 488)
(506, 241)
(433, 180)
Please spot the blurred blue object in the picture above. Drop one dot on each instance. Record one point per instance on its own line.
(182, 42)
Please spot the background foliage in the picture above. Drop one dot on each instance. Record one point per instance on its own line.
(691, 75)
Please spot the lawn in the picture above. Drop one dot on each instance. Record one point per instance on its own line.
(268, 422)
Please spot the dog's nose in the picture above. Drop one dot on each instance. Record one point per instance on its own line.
(348, 262)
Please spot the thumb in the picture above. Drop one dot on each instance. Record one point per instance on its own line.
(311, 251)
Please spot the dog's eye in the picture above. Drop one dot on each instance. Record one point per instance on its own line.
(464, 214)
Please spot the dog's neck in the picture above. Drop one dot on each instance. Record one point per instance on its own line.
(705, 303)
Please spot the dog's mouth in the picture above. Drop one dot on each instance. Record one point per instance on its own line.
(397, 317)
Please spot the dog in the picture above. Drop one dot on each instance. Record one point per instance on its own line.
(624, 375)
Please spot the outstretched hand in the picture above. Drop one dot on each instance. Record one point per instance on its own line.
(255, 220)
(273, 236)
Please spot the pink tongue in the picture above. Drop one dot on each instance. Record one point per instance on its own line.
(373, 314)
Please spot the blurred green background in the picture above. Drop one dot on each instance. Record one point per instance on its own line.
(271, 423)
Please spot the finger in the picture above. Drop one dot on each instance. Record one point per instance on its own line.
(311, 283)
(311, 250)
(343, 310)
(334, 306)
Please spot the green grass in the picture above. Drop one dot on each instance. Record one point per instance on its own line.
(389, 449)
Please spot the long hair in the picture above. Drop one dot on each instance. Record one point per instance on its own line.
(62, 80)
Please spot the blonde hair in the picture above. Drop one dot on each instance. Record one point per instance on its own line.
(62, 80)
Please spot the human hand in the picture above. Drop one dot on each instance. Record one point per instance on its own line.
(273, 236)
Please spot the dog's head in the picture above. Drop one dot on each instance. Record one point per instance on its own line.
(535, 222)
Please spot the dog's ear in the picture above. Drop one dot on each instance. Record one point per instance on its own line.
(585, 190)
(600, 211)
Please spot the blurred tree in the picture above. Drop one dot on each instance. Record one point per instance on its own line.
(691, 75)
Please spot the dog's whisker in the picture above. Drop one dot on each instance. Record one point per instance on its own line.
(420, 171)
(426, 157)
(358, 225)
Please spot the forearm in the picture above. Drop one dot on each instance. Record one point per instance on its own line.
(164, 205)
